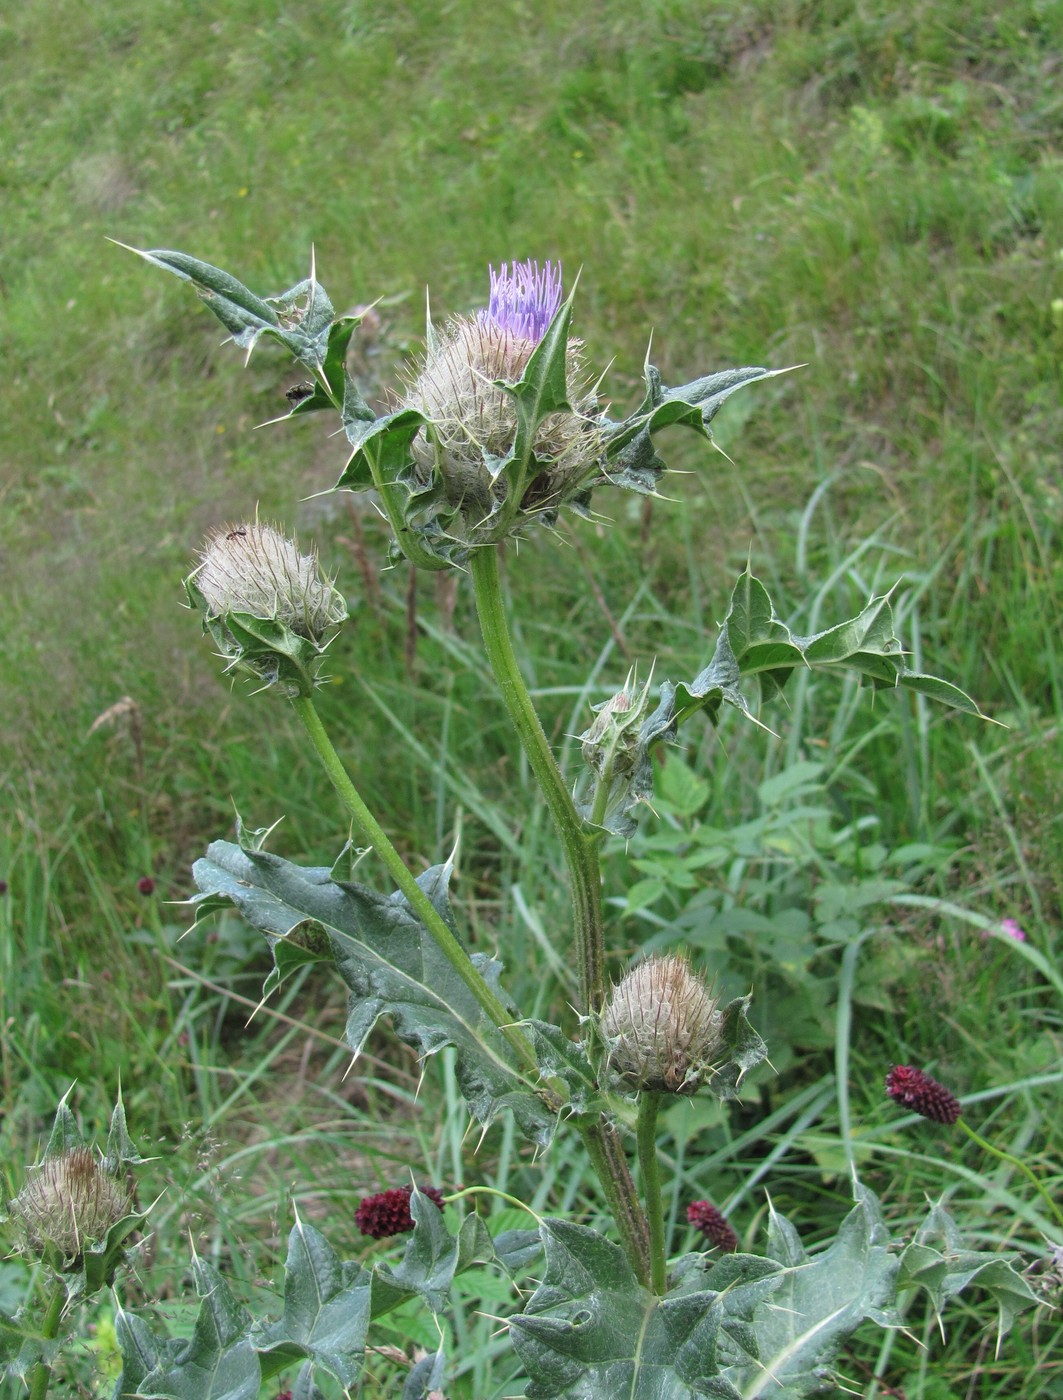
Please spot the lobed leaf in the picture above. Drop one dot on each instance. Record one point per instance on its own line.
(326, 1307)
(390, 963)
(218, 1362)
(432, 1260)
(753, 644)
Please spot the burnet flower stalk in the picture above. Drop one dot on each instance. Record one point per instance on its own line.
(913, 1088)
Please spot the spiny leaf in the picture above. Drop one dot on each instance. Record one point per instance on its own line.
(432, 1260)
(218, 1362)
(632, 459)
(753, 644)
(592, 1332)
(390, 963)
(947, 1270)
(326, 1307)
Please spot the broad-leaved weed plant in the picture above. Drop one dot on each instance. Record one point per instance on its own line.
(498, 427)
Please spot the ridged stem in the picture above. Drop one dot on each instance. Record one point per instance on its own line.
(580, 847)
(418, 901)
(581, 858)
(649, 1103)
(41, 1375)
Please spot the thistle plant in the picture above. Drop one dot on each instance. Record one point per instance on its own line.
(73, 1219)
(498, 428)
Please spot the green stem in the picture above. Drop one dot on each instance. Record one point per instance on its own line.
(581, 857)
(41, 1375)
(649, 1103)
(1015, 1162)
(610, 1165)
(580, 847)
(418, 901)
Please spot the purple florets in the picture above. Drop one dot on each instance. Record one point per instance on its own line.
(916, 1090)
(525, 300)
(388, 1212)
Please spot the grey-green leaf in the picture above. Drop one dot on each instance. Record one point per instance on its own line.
(326, 1306)
(755, 645)
(938, 1261)
(244, 315)
(218, 1362)
(432, 1259)
(390, 963)
(592, 1332)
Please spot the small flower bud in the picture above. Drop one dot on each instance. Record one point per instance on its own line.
(388, 1212)
(255, 569)
(917, 1091)
(610, 745)
(268, 607)
(662, 1027)
(713, 1224)
(68, 1203)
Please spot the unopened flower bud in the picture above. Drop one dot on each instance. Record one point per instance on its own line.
(662, 1027)
(610, 745)
(255, 569)
(268, 607)
(68, 1203)
(916, 1090)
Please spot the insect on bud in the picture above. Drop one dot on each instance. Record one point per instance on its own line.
(255, 569)
(268, 607)
(662, 1027)
(68, 1203)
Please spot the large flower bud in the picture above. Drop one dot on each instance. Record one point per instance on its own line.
(68, 1204)
(662, 1027)
(269, 608)
(465, 389)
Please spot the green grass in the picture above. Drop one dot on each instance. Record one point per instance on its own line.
(872, 191)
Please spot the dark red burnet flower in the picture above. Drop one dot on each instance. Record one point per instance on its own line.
(146, 885)
(917, 1091)
(713, 1224)
(388, 1212)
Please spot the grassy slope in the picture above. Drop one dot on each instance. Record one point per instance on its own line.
(874, 191)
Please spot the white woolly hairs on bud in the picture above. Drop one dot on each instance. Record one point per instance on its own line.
(69, 1202)
(662, 1026)
(255, 569)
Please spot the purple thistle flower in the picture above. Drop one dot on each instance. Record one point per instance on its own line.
(525, 300)
(916, 1090)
